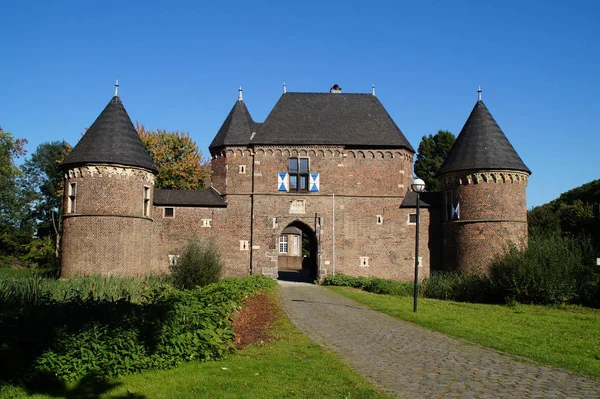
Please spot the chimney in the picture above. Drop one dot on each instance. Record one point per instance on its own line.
(335, 89)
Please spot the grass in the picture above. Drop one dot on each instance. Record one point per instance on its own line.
(567, 337)
(290, 367)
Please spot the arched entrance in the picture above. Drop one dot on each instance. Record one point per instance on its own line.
(298, 252)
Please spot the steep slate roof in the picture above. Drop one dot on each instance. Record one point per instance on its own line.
(481, 145)
(358, 120)
(237, 128)
(111, 139)
(205, 198)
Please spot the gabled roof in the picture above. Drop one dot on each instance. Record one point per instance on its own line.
(353, 120)
(481, 145)
(111, 139)
(237, 128)
(204, 198)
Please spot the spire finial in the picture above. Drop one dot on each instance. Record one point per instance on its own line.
(117, 88)
(373, 89)
(284, 87)
(240, 94)
(479, 93)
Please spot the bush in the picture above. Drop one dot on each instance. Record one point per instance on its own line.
(462, 287)
(369, 284)
(83, 335)
(198, 265)
(553, 269)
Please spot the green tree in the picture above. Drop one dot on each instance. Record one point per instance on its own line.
(179, 162)
(44, 184)
(433, 149)
(13, 234)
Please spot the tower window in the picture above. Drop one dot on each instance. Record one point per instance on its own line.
(71, 197)
(298, 171)
(206, 222)
(412, 218)
(242, 169)
(169, 212)
(146, 201)
(379, 219)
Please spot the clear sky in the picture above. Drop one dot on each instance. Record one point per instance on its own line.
(180, 63)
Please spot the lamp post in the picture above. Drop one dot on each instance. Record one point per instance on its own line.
(418, 187)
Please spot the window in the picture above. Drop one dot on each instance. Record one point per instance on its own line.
(412, 218)
(173, 260)
(283, 244)
(146, 201)
(298, 171)
(244, 245)
(71, 197)
(448, 205)
(364, 261)
(169, 212)
(242, 169)
(206, 222)
(379, 219)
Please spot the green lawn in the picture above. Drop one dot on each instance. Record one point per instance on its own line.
(566, 337)
(291, 367)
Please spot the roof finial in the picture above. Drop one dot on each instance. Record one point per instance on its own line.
(479, 93)
(240, 94)
(373, 89)
(117, 88)
(284, 87)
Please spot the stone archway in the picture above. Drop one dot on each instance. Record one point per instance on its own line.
(298, 253)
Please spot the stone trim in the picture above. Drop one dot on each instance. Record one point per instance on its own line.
(486, 221)
(73, 215)
(118, 171)
(317, 151)
(466, 178)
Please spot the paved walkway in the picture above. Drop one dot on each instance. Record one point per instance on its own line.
(414, 362)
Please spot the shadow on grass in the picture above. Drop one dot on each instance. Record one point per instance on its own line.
(89, 387)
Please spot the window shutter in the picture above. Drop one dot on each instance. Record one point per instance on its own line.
(314, 182)
(283, 181)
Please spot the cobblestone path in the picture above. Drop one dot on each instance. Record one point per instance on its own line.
(414, 362)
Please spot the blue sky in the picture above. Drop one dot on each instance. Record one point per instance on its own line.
(180, 63)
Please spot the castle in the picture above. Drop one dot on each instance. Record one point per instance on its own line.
(321, 186)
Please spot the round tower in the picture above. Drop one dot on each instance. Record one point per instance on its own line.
(483, 182)
(109, 188)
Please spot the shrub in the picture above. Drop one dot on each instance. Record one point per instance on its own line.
(369, 284)
(553, 269)
(84, 335)
(198, 265)
(462, 287)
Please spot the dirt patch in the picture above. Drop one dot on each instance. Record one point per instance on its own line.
(252, 324)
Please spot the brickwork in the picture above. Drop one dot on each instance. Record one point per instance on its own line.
(493, 213)
(106, 231)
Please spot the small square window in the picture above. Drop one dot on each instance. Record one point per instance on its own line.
(173, 260)
(206, 222)
(169, 212)
(379, 219)
(242, 169)
(412, 218)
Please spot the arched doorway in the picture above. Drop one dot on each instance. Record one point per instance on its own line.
(298, 253)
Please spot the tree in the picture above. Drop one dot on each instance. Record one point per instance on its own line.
(12, 207)
(179, 162)
(433, 149)
(44, 184)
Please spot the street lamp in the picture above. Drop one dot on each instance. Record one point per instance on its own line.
(418, 187)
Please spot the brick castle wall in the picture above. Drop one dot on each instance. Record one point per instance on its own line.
(493, 213)
(107, 231)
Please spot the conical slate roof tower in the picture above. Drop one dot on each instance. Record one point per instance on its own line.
(484, 182)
